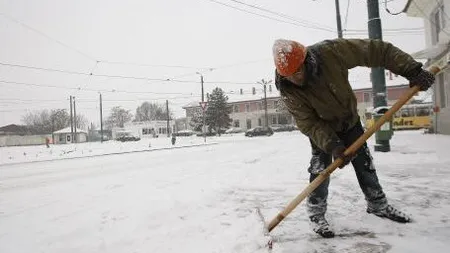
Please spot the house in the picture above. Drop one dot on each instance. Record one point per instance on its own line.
(17, 135)
(64, 136)
(248, 109)
(14, 129)
(145, 129)
(364, 98)
(436, 16)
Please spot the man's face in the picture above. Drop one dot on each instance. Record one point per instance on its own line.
(298, 77)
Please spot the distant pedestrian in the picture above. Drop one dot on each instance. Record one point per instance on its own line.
(47, 142)
(174, 139)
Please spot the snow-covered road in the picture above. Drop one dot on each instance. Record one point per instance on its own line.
(203, 199)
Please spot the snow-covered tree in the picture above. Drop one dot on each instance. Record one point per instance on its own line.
(218, 111)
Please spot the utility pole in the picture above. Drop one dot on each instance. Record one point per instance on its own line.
(101, 118)
(167, 112)
(74, 120)
(203, 108)
(203, 96)
(266, 117)
(338, 19)
(71, 119)
(377, 74)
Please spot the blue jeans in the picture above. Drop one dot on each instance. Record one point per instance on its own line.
(364, 169)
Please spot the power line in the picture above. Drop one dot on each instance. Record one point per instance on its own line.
(346, 15)
(153, 65)
(389, 11)
(47, 36)
(116, 76)
(94, 90)
(268, 17)
(305, 22)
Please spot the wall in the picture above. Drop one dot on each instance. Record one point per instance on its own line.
(17, 140)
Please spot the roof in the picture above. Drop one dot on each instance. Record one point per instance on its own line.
(239, 98)
(13, 128)
(67, 130)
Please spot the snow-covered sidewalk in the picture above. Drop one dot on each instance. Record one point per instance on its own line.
(203, 199)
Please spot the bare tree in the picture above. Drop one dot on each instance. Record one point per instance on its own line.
(118, 117)
(151, 111)
(45, 121)
(81, 121)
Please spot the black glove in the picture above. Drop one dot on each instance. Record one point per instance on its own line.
(338, 152)
(423, 79)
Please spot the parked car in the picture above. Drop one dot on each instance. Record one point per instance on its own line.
(259, 131)
(184, 133)
(128, 137)
(283, 128)
(234, 130)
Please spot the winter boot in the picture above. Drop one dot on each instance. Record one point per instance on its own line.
(321, 226)
(391, 213)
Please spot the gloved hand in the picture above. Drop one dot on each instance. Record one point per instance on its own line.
(338, 152)
(423, 79)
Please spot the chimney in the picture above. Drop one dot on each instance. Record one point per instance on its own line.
(270, 88)
(241, 92)
(253, 90)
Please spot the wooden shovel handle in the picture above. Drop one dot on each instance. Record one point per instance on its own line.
(350, 150)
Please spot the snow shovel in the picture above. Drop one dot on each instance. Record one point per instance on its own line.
(350, 150)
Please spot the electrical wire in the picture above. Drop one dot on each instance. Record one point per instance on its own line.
(388, 11)
(268, 17)
(305, 22)
(118, 76)
(346, 15)
(47, 36)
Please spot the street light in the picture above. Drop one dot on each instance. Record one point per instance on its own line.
(264, 83)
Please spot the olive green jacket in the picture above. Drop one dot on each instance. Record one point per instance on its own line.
(327, 104)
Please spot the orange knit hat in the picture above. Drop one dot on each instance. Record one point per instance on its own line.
(288, 56)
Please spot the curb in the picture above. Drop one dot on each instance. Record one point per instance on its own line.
(108, 154)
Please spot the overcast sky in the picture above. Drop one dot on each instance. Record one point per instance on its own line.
(160, 40)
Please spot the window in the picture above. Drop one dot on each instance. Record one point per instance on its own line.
(145, 131)
(259, 122)
(274, 120)
(275, 104)
(260, 106)
(249, 124)
(236, 108)
(247, 107)
(422, 111)
(236, 123)
(61, 138)
(407, 112)
(283, 120)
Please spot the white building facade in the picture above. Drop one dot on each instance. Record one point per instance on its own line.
(436, 16)
(146, 129)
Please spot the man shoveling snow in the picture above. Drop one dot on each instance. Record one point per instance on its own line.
(313, 83)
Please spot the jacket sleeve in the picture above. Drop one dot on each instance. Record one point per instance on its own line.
(310, 124)
(375, 53)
